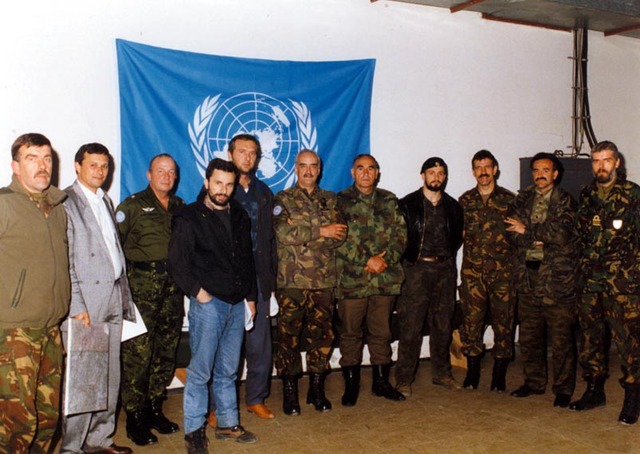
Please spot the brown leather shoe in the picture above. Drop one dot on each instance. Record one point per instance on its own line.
(212, 420)
(113, 449)
(261, 411)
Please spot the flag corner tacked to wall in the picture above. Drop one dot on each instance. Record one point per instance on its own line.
(190, 105)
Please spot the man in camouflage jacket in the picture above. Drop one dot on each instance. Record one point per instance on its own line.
(369, 277)
(307, 230)
(542, 228)
(609, 280)
(486, 272)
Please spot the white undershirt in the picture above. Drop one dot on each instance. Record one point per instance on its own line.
(98, 205)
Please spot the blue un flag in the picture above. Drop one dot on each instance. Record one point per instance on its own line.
(190, 105)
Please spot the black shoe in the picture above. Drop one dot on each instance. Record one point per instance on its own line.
(562, 400)
(351, 376)
(290, 403)
(157, 419)
(197, 441)
(593, 396)
(631, 407)
(315, 395)
(381, 386)
(526, 391)
(472, 380)
(138, 428)
(499, 378)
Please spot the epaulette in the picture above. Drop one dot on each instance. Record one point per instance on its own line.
(6, 190)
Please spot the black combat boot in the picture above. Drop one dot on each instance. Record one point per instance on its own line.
(472, 379)
(499, 378)
(381, 386)
(290, 403)
(593, 396)
(157, 419)
(351, 376)
(138, 428)
(316, 395)
(631, 407)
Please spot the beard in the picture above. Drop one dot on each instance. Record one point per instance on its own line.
(604, 177)
(435, 186)
(219, 200)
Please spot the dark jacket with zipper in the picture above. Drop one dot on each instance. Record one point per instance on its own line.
(202, 253)
(412, 207)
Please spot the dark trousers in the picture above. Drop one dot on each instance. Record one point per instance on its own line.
(557, 321)
(427, 293)
(375, 311)
(622, 313)
(258, 354)
(300, 308)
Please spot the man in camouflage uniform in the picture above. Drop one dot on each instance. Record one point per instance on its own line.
(434, 235)
(34, 298)
(542, 228)
(369, 277)
(609, 280)
(486, 278)
(148, 361)
(307, 232)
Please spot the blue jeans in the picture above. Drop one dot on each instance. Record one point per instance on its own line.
(216, 330)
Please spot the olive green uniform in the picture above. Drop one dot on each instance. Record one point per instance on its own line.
(148, 361)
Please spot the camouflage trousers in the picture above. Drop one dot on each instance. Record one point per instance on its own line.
(299, 309)
(481, 293)
(428, 293)
(30, 387)
(539, 322)
(148, 361)
(622, 313)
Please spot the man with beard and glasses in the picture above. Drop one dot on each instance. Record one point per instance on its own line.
(257, 199)
(434, 226)
(34, 298)
(308, 231)
(541, 226)
(486, 273)
(211, 260)
(609, 280)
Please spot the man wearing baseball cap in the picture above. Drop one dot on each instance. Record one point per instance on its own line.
(435, 225)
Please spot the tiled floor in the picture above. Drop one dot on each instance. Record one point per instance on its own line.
(434, 420)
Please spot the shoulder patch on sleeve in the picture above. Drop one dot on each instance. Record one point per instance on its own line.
(120, 216)
(277, 210)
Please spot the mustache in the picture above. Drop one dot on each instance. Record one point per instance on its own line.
(541, 178)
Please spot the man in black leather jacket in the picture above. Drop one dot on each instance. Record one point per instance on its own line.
(435, 224)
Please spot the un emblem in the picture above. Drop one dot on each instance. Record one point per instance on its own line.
(283, 128)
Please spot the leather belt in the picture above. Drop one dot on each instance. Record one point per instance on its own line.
(434, 258)
(159, 266)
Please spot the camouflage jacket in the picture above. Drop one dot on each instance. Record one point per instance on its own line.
(305, 259)
(375, 225)
(557, 273)
(610, 239)
(486, 248)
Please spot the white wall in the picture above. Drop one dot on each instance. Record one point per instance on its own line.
(446, 84)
